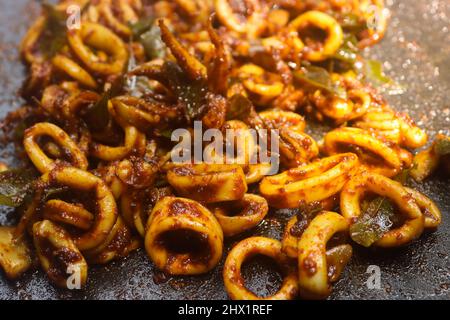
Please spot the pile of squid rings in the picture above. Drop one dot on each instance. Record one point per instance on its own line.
(100, 106)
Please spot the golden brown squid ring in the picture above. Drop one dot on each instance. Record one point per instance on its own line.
(342, 110)
(15, 256)
(234, 283)
(242, 215)
(68, 213)
(256, 172)
(129, 109)
(412, 136)
(27, 47)
(119, 243)
(132, 139)
(183, 237)
(253, 25)
(101, 38)
(313, 182)
(106, 214)
(372, 147)
(278, 119)
(74, 70)
(383, 122)
(323, 22)
(296, 148)
(106, 10)
(314, 280)
(39, 158)
(431, 212)
(58, 254)
(244, 145)
(208, 183)
(377, 17)
(366, 181)
(254, 80)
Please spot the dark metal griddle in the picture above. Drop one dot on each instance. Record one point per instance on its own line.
(416, 53)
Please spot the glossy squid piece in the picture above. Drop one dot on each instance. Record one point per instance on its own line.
(183, 237)
(315, 274)
(208, 183)
(15, 254)
(234, 283)
(308, 183)
(241, 215)
(59, 255)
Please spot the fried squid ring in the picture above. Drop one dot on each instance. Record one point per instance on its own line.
(100, 38)
(208, 183)
(278, 119)
(250, 22)
(383, 122)
(119, 243)
(132, 140)
(260, 83)
(120, 23)
(431, 212)
(58, 254)
(106, 208)
(241, 215)
(29, 42)
(308, 183)
(234, 283)
(15, 256)
(374, 153)
(341, 110)
(237, 137)
(296, 148)
(183, 237)
(68, 213)
(74, 70)
(314, 271)
(360, 184)
(42, 162)
(256, 172)
(325, 24)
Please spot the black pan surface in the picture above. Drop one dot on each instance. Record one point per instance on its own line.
(415, 52)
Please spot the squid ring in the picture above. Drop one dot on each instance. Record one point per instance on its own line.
(313, 182)
(278, 119)
(105, 203)
(252, 27)
(208, 183)
(314, 280)
(15, 256)
(42, 162)
(183, 237)
(58, 254)
(74, 70)
(251, 211)
(31, 38)
(101, 38)
(359, 184)
(68, 213)
(373, 148)
(323, 22)
(132, 138)
(433, 216)
(251, 75)
(234, 283)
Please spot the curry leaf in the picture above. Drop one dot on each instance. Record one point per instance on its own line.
(15, 186)
(373, 73)
(319, 78)
(53, 37)
(374, 222)
(442, 146)
(149, 35)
